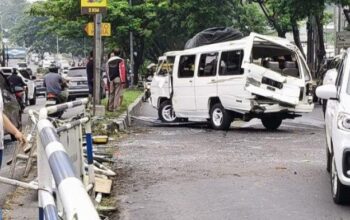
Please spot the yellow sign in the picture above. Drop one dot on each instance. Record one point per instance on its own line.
(93, 6)
(106, 29)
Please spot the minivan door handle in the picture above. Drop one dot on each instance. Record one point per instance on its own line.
(190, 81)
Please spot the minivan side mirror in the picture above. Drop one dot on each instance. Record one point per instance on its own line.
(327, 92)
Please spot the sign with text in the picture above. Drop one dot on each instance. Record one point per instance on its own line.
(93, 6)
(343, 39)
(106, 30)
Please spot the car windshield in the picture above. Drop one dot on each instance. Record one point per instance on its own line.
(7, 72)
(77, 73)
(25, 74)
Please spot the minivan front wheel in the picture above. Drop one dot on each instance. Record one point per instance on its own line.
(220, 118)
(340, 192)
(166, 112)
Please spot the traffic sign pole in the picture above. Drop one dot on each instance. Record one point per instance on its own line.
(97, 60)
(95, 8)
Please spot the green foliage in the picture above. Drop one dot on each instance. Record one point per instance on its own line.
(157, 25)
(11, 11)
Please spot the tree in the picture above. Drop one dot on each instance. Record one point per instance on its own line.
(157, 25)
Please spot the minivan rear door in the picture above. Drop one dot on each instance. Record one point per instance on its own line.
(268, 82)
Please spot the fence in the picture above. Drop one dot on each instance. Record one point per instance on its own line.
(61, 167)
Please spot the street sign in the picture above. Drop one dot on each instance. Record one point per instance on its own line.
(93, 6)
(342, 39)
(105, 29)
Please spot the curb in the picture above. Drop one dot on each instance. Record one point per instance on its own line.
(123, 122)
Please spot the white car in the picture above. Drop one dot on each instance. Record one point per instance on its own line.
(255, 77)
(28, 80)
(46, 63)
(337, 120)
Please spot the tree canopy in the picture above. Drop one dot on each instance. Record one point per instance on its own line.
(162, 25)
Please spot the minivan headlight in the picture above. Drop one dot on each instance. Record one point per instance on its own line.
(344, 121)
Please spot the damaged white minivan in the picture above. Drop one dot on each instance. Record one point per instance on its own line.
(254, 77)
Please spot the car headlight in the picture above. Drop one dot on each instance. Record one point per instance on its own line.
(344, 121)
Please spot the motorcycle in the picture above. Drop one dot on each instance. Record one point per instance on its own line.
(19, 93)
(52, 99)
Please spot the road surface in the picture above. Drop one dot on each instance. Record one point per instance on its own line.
(245, 173)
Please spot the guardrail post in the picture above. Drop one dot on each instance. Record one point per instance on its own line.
(90, 156)
(44, 173)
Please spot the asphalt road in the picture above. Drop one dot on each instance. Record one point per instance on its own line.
(245, 173)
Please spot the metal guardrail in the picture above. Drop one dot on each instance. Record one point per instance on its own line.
(56, 165)
(75, 200)
(61, 191)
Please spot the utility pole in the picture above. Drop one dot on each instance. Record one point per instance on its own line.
(57, 47)
(97, 59)
(95, 8)
(338, 24)
(131, 53)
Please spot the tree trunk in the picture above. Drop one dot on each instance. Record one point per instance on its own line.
(296, 36)
(321, 51)
(310, 44)
(138, 60)
(281, 33)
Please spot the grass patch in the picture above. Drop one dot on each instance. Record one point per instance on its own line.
(129, 96)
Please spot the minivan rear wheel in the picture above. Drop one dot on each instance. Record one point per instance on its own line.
(340, 192)
(220, 118)
(166, 112)
(271, 123)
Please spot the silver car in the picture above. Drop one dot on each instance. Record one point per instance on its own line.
(78, 83)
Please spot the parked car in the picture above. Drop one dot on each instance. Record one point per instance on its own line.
(47, 62)
(22, 65)
(337, 120)
(28, 80)
(12, 108)
(78, 84)
(255, 77)
(40, 89)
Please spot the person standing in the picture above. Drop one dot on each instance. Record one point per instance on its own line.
(114, 77)
(90, 73)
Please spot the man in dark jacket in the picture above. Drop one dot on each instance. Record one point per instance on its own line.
(15, 80)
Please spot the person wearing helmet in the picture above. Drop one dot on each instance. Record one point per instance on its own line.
(55, 84)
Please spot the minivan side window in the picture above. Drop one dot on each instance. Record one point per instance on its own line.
(186, 66)
(230, 63)
(207, 65)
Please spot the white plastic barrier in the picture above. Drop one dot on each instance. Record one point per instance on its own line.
(55, 165)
